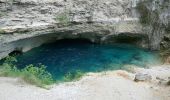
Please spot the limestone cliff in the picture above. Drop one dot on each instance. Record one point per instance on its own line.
(155, 18)
(25, 24)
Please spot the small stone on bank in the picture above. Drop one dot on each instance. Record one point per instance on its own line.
(142, 77)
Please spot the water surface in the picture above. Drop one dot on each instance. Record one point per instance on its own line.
(71, 55)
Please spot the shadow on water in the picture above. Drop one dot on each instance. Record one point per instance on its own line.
(66, 56)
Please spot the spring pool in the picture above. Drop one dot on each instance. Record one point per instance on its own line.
(66, 56)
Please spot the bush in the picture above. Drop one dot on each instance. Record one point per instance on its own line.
(144, 13)
(8, 70)
(2, 31)
(10, 60)
(2, 14)
(63, 19)
(36, 75)
(71, 76)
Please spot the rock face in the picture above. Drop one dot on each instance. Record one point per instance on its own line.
(155, 18)
(25, 24)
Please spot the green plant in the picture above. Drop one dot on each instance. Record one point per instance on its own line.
(8, 70)
(63, 19)
(145, 17)
(2, 14)
(70, 76)
(36, 75)
(1, 30)
(10, 60)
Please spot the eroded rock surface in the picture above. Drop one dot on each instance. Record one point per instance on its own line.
(100, 21)
(29, 23)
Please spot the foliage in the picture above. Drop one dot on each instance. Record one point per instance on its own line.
(36, 75)
(7, 70)
(70, 76)
(10, 60)
(144, 13)
(63, 19)
(1, 30)
(2, 14)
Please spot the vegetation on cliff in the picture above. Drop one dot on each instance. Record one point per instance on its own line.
(63, 18)
(2, 31)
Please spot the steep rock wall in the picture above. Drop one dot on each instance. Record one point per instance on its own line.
(25, 24)
(155, 18)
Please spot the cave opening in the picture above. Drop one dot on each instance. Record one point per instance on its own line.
(131, 39)
(15, 53)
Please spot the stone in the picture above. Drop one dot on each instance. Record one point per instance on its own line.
(167, 60)
(142, 77)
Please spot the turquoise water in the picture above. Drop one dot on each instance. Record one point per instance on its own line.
(67, 56)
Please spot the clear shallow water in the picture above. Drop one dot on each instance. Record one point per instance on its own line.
(72, 55)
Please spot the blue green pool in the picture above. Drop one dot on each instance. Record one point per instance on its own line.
(67, 56)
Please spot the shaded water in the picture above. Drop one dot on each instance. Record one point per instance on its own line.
(72, 55)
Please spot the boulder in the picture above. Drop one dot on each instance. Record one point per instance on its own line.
(142, 77)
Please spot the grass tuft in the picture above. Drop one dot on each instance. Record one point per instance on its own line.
(73, 76)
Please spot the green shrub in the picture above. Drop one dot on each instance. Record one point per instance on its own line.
(2, 14)
(10, 60)
(71, 76)
(2, 31)
(145, 17)
(36, 75)
(63, 19)
(8, 70)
